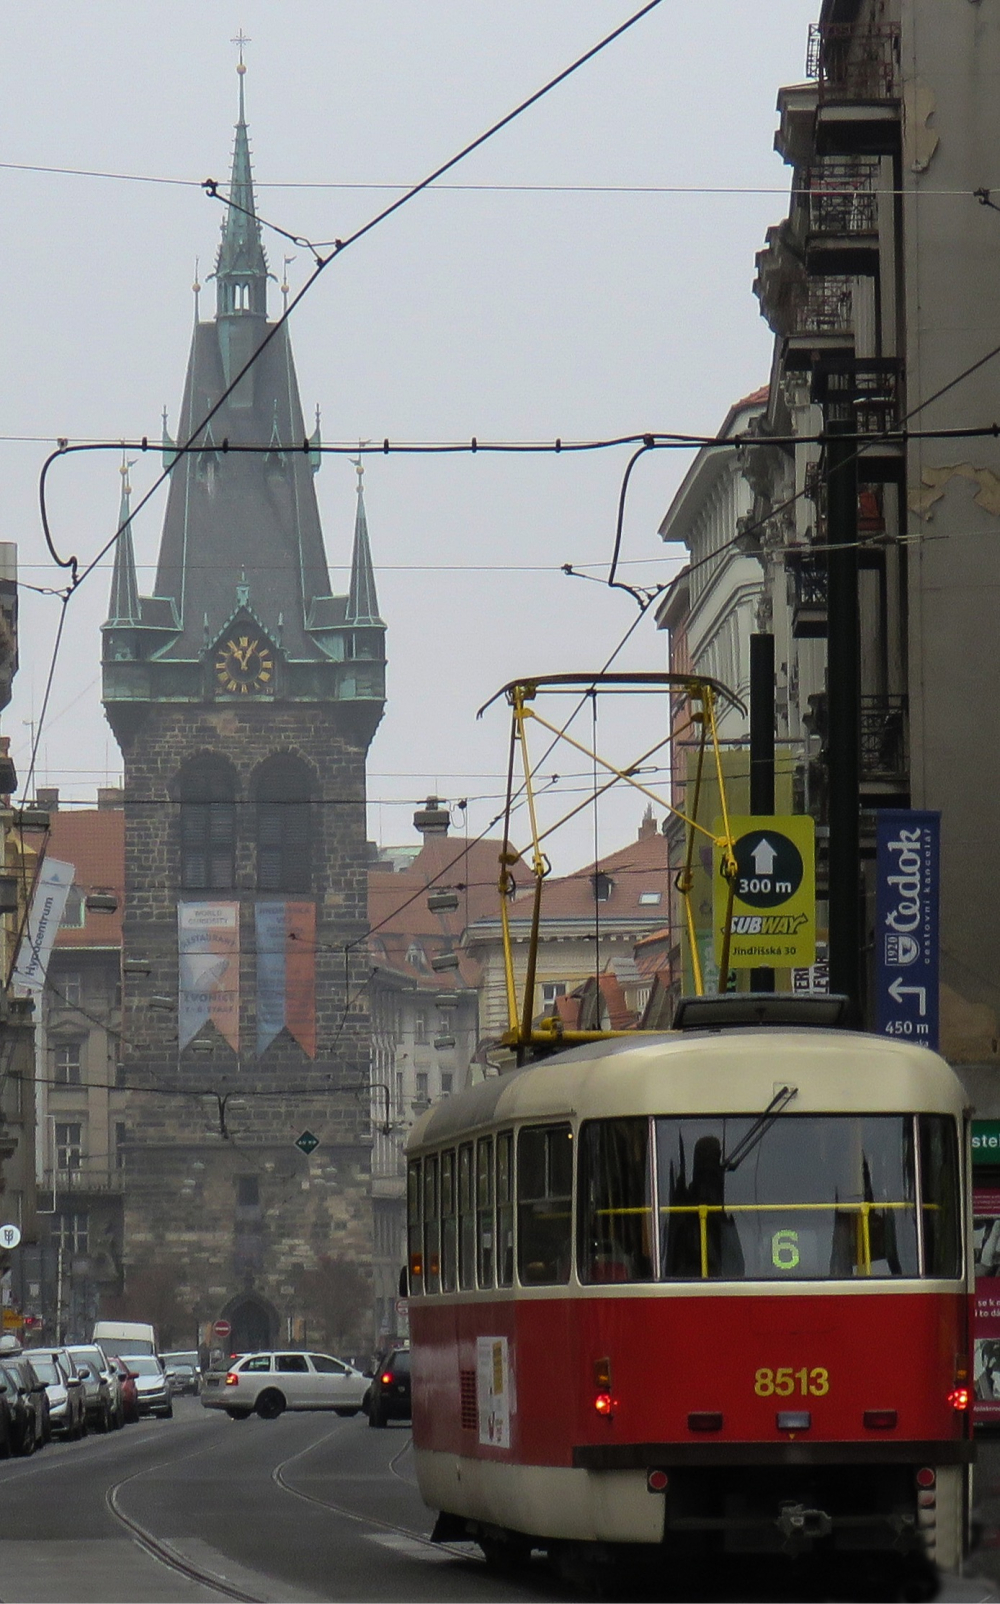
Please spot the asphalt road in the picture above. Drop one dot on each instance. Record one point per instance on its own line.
(308, 1507)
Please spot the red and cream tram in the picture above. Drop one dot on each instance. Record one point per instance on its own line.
(696, 1294)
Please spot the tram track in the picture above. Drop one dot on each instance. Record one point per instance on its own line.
(392, 1528)
(158, 1548)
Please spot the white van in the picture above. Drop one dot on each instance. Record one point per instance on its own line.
(124, 1337)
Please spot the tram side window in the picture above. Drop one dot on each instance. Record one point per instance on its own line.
(940, 1196)
(615, 1202)
(414, 1229)
(432, 1234)
(449, 1224)
(484, 1210)
(466, 1220)
(544, 1204)
(505, 1209)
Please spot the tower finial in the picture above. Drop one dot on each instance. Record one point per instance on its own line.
(124, 608)
(284, 279)
(196, 287)
(241, 266)
(362, 600)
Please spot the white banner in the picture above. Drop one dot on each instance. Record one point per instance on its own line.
(47, 907)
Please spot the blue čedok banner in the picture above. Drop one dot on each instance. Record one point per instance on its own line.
(908, 849)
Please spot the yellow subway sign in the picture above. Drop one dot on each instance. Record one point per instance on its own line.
(774, 904)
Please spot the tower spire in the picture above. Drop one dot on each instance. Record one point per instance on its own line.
(362, 601)
(124, 608)
(241, 266)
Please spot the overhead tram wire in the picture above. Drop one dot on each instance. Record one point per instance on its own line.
(76, 578)
(486, 187)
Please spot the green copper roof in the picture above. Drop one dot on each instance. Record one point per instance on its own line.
(241, 266)
(362, 601)
(124, 608)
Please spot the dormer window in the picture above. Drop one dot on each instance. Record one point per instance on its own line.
(602, 885)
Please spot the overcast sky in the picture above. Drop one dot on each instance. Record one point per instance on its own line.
(501, 312)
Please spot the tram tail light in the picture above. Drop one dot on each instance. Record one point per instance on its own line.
(960, 1397)
(705, 1420)
(926, 1477)
(604, 1401)
(880, 1419)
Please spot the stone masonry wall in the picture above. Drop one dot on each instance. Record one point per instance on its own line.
(186, 1159)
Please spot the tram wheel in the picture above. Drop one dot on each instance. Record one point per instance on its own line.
(506, 1554)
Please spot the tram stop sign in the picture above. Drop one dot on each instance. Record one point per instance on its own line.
(774, 905)
(307, 1143)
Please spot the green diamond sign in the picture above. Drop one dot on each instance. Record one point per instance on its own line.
(307, 1143)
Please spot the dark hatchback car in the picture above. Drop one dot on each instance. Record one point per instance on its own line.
(388, 1397)
(28, 1402)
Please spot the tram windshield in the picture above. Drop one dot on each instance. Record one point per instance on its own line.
(828, 1197)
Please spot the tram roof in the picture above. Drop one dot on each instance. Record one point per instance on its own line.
(705, 1072)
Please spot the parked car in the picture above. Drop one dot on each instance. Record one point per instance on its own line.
(67, 1408)
(129, 1386)
(91, 1366)
(8, 1430)
(270, 1383)
(109, 1370)
(25, 1395)
(388, 1397)
(124, 1337)
(184, 1371)
(152, 1386)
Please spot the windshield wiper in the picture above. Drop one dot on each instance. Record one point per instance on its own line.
(760, 1127)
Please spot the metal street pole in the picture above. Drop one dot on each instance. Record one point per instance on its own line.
(843, 693)
(762, 753)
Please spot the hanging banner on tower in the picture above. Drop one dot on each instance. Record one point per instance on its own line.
(286, 973)
(208, 970)
(48, 904)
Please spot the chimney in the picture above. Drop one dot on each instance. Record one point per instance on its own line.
(432, 819)
(47, 797)
(648, 825)
(109, 797)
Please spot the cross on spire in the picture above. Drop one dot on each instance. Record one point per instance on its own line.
(241, 39)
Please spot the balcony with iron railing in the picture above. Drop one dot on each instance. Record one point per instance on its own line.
(840, 207)
(884, 742)
(87, 1176)
(807, 586)
(854, 61)
(856, 67)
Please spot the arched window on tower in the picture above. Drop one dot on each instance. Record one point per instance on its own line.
(207, 788)
(283, 789)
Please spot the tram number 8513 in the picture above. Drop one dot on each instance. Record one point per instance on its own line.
(784, 1382)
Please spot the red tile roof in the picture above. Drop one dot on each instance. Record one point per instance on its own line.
(93, 841)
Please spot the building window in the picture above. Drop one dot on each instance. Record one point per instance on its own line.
(420, 1026)
(120, 1082)
(422, 1093)
(67, 1068)
(71, 1230)
(69, 1144)
(283, 789)
(68, 988)
(446, 1084)
(649, 899)
(551, 990)
(208, 826)
(75, 912)
(121, 1136)
(399, 1091)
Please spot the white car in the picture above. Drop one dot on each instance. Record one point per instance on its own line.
(270, 1383)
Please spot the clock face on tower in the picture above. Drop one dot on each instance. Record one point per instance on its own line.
(245, 666)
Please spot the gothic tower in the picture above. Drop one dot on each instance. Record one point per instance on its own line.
(244, 697)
